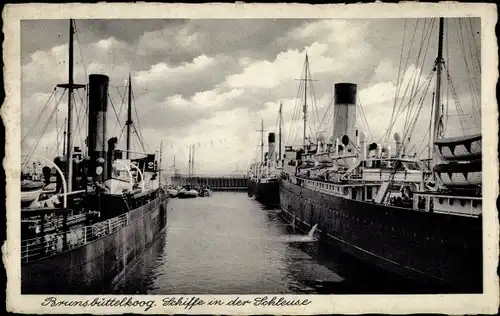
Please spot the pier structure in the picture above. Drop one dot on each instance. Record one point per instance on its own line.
(217, 182)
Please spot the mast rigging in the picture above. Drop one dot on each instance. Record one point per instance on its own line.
(279, 126)
(437, 103)
(129, 113)
(261, 130)
(70, 86)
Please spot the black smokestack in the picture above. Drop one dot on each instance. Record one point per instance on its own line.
(271, 138)
(344, 117)
(98, 105)
(270, 141)
(345, 93)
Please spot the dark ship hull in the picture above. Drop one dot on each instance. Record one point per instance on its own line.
(266, 193)
(439, 249)
(94, 266)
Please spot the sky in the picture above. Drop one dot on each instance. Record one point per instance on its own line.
(209, 83)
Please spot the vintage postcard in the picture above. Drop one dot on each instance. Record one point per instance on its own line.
(251, 158)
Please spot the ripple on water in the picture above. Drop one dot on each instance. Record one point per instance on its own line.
(228, 244)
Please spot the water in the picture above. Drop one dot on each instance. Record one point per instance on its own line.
(229, 244)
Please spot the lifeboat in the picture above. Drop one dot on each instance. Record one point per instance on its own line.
(30, 190)
(460, 148)
(460, 174)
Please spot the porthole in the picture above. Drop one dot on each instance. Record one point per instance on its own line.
(462, 202)
(474, 203)
(441, 200)
(450, 201)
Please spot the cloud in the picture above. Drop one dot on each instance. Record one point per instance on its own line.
(206, 100)
(211, 82)
(162, 72)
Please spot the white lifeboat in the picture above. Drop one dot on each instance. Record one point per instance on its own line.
(460, 174)
(460, 148)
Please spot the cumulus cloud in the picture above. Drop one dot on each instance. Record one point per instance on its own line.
(211, 82)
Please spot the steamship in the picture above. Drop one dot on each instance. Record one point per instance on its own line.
(107, 208)
(263, 176)
(419, 218)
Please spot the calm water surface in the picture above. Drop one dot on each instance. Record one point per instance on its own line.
(229, 244)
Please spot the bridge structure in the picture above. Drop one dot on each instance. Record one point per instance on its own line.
(217, 182)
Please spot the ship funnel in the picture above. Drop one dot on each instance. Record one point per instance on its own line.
(344, 119)
(271, 138)
(98, 104)
(397, 139)
(362, 142)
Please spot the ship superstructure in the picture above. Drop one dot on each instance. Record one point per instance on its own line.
(263, 176)
(108, 205)
(418, 217)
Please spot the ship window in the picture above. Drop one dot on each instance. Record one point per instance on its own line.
(462, 202)
(474, 203)
(441, 201)
(368, 193)
(450, 201)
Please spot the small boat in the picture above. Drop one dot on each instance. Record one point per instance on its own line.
(186, 192)
(30, 190)
(205, 192)
(172, 191)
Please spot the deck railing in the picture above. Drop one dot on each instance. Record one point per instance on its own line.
(44, 246)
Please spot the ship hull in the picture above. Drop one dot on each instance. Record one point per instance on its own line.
(435, 249)
(266, 193)
(95, 266)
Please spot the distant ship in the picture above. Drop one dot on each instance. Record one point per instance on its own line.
(105, 211)
(263, 177)
(418, 218)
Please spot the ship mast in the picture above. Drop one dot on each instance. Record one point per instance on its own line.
(304, 108)
(64, 137)
(279, 126)
(305, 101)
(192, 161)
(129, 114)
(261, 130)
(437, 101)
(159, 167)
(70, 86)
(189, 163)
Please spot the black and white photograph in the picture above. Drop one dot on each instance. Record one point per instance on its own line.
(252, 162)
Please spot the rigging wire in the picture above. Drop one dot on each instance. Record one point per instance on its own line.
(409, 132)
(80, 49)
(121, 106)
(464, 55)
(60, 136)
(139, 133)
(39, 116)
(114, 110)
(78, 123)
(30, 153)
(419, 72)
(325, 115)
(404, 106)
(363, 118)
(398, 83)
(396, 106)
(295, 116)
